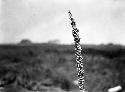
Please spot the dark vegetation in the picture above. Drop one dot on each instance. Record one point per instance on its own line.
(54, 65)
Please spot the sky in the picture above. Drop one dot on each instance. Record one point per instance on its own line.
(99, 21)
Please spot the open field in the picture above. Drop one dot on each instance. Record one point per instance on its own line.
(54, 66)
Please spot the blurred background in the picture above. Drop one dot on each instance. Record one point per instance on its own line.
(37, 47)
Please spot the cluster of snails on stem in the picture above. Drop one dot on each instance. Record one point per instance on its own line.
(79, 58)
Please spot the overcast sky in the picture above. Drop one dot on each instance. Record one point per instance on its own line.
(99, 21)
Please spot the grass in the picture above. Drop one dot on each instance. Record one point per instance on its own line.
(104, 67)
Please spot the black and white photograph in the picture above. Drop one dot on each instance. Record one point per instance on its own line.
(62, 45)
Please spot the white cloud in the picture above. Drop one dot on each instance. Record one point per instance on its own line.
(98, 20)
